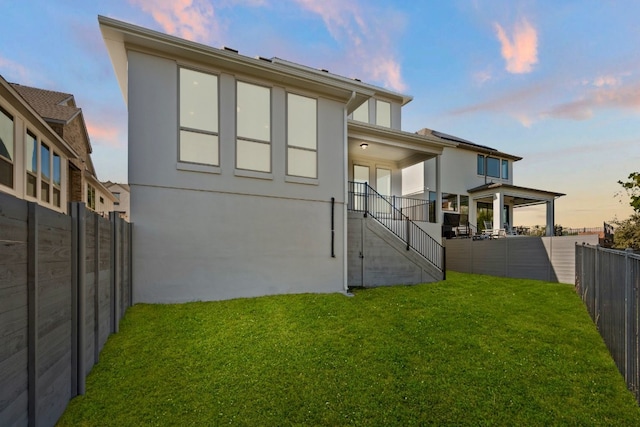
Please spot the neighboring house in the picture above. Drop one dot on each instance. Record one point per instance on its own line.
(477, 186)
(254, 176)
(60, 112)
(34, 160)
(122, 194)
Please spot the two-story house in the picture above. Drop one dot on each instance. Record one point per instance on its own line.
(35, 161)
(477, 186)
(253, 176)
(60, 112)
(122, 194)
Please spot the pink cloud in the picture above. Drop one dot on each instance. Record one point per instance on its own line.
(612, 95)
(521, 50)
(103, 134)
(190, 19)
(366, 36)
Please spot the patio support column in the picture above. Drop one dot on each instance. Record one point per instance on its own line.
(550, 217)
(498, 214)
(438, 190)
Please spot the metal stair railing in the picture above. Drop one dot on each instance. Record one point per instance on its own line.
(363, 198)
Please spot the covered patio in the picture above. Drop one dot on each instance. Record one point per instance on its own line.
(495, 202)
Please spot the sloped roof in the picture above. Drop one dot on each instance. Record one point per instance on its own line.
(109, 184)
(51, 105)
(468, 145)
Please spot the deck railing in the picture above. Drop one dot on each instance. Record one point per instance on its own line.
(363, 198)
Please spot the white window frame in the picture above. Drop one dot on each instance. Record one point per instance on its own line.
(184, 130)
(379, 115)
(11, 162)
(292, 146)
(251, 140)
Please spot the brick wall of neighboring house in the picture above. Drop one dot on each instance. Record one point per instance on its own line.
(76, 193)
(75, 136)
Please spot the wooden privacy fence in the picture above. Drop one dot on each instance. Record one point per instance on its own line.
(541, 258)
(608, 282)
(65, 283)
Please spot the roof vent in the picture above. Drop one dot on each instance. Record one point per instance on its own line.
(262, 58)
(323, 70)
(230, 49)
(358, 80)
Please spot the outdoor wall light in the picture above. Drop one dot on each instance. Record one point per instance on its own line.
(364, 145)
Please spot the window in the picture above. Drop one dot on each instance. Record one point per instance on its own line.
(45, 177)
(383, 181)
(57, 179)
(31, 165)
(302, 136)
(6, 148)
(493, 167)
(383, 113)
(101, 200)
(117, 196)
(91, 197)
(505, 169)
(362, 113)
(253, 121)
(198, 117)
(432, 206)
(464, 210)
(449, 202)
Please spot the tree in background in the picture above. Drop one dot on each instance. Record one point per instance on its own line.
(632, 188)
(627, 234)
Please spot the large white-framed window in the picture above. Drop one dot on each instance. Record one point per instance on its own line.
(7, 146)
(31, 164)
(199, 139)
(45, 175)
(361, 113)
(302, 136)
(383, 181)
(253, 127)
(383, 113)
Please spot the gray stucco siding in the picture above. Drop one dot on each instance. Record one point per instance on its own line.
(153, 136)
(210, 246)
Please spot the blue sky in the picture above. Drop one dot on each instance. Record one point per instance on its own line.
(556, 82)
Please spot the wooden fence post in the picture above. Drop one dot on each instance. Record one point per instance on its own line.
(115, 271)
(596, 287)
(32, 289)
(73, 209)
(82, 297)
(96, 293)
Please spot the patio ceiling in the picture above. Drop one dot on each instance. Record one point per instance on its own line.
(403, 148)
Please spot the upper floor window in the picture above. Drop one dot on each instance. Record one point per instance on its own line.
(6, 148)
(383, 113)
(198, 117)
(302, 136)
(361, 113)
(253, 121)
(45, 176)
(57, 180)
(493, 166)
(31, 164)
(505, 169)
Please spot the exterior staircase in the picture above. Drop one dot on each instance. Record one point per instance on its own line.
(385, 246)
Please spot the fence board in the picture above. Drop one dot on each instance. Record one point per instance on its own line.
(37, 306)
(540, 258)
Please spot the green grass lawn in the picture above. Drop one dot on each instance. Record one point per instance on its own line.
(474, 350)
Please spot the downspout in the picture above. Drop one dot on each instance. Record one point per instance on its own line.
(345, 172)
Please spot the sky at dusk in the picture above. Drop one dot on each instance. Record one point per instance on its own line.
(555, 82)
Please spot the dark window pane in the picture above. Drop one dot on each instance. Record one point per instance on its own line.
(6, 135)
(505, 169)
(480, 164)
(493, 167)
(44, 162)
(32, 182)
(44, 191)
(6, 173)
(56, 197)
(56, 169)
